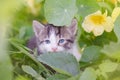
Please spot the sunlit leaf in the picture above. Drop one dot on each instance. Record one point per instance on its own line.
(112, 50)
(88, 74)
(108, 66)
(115, 75)
(21, 78)
(105, 5)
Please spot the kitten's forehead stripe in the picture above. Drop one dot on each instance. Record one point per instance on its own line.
(48, 31)
(59, 32)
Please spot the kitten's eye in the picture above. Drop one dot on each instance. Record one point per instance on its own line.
(61, 41)
(47, 41)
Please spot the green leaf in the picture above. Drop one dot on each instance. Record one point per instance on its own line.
(5, 65)
(108, 66)
(58, 77)
(60, 12)
(22, 32)
(38, 1)
(6, 14)
(114, 75)
(88, 74)
(29, 70)
(21, 78)
(117, 28)
(86, 7)
(112, 50)
(91, 53)
(105, 6)
(74, 77)
(32, 72)
(24, 50)
(64, 63)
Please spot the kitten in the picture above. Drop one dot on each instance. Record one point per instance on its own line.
(50, 38)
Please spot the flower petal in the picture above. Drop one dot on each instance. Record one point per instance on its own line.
(119, 1)
(97, 23)
(87, 26)
(108, 26)
(98, 13)
(98, 30)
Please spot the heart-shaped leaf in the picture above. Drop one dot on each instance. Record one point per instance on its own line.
(91, 53)
(60, 12)
(64, 63)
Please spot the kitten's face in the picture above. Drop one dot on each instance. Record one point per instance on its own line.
(54, 39)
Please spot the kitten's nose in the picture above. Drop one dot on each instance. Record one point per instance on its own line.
(54, 49)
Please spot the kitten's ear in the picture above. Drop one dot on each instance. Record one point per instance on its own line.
(73, 26)
(37, 27)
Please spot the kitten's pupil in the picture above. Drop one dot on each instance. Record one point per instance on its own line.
(61, 41)
(47, 41)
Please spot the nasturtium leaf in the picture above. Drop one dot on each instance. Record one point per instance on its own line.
(58, 77)
(90, 54)
(117, 28)
(112, 50)
(74, 77)
(88, 74)
(60, 12)
(108, 66)
(86, 7)
(63, 63)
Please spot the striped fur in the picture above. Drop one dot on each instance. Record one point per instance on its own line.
(54, 34)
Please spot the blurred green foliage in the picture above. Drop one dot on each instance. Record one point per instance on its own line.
(101, 55)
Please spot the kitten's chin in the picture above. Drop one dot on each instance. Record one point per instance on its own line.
(53, 51)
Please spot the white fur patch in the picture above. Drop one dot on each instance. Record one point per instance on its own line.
(53, 44)
(75, 52)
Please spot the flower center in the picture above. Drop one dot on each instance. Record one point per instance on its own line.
(97, 19)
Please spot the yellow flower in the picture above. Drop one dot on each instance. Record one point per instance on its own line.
(34, 8)
(119, 1)
(114, 2)
(97, 23)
